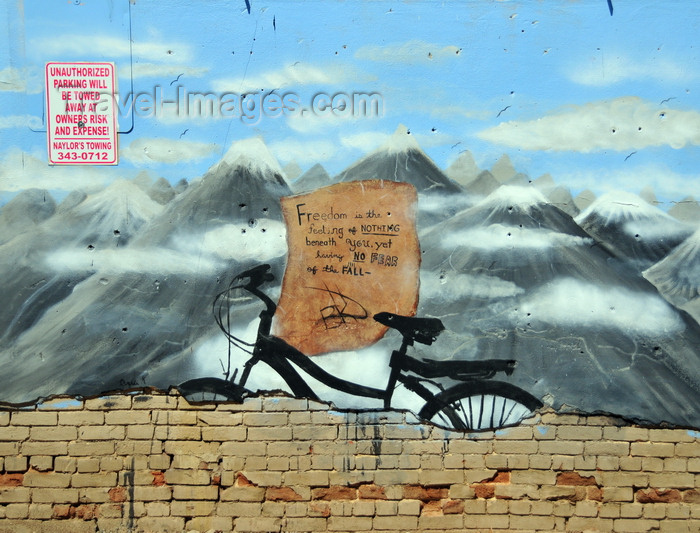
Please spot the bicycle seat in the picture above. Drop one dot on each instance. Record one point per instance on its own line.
(423, 330)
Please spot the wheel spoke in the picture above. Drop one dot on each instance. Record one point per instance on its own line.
(510, 412)
(465, 417)
(481, 411)
(498, 404)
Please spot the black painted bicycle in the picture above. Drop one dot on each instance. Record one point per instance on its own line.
(475, 403)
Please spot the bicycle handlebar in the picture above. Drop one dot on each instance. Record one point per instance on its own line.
(257, 276)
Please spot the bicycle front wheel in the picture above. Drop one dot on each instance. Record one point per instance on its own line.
(212, 390)
(480, 405)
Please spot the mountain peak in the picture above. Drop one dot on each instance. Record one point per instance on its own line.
(620, 206)
(122, 199)
(509, 196)
(503, 169)
(400, 141)
(463, 170)
(252, 153)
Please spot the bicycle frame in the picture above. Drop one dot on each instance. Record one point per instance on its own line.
(460, 406)
(279, 355)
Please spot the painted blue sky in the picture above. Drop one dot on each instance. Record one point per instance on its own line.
(598, 101)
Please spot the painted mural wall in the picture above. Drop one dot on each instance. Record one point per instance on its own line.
(544, 245)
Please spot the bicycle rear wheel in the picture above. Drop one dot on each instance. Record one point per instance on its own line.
(212, 390)
(480, 405)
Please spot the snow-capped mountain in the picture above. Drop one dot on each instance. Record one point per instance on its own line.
(519, 229)
(243, 188)
(113, 292)
(400, 158)
(150, 301)
(117, 211)
(38, 267)
(632, 229)
(515, 277)
(678, 274)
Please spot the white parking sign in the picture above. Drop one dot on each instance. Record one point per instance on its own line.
(81, 116)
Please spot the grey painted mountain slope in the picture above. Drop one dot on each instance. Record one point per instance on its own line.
(118, 325)
(587, 331)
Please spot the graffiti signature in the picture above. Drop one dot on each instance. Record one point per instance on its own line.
(341, 310)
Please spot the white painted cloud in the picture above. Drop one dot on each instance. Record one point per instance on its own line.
(627, 123)
(294, 75)
(613, 69)
(435, 203)
(450, 287)
(263, 239)
(569, 302)
(498, 236)
(365, 141)
(304, 152)
(26, 80)
(84, 44)
(117, 261)
(163, 150)
(655, 229)
(411, 52)
(192, 254)
(20, 121)
(21, 170)
(369, 367)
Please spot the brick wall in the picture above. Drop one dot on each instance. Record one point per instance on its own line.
(151, 462)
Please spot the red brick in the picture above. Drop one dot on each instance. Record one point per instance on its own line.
(11, 480)
(575, 479)
(453, 507)
(370, 491)
(335, 492)
(117, 494)
(658, 496)
(425, 494)
(158, 478)
(485, 490)
(691, 496)
(433, 508)
(285, 494)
